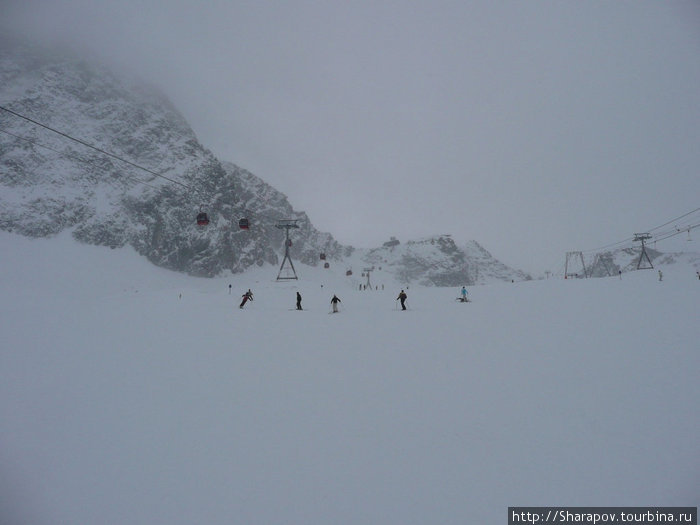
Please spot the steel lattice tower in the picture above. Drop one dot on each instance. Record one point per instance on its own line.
(641, 237)
(286, 225)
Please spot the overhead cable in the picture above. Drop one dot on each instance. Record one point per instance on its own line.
(86, 144)
(71, 156)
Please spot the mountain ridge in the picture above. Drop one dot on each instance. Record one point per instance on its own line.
(51, 184)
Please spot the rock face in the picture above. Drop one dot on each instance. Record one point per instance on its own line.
(51, 183)
(127, 169)
(438, 261)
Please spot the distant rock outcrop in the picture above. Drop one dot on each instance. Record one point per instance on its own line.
(438, 261)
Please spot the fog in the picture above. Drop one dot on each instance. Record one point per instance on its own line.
(534, 128)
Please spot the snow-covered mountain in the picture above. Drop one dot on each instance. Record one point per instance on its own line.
(438, 261)
(51, 183)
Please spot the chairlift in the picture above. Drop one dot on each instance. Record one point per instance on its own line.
(243, 224)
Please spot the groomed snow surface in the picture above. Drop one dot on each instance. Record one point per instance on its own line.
(133, 395)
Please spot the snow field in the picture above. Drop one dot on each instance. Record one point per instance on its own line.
(130, 394)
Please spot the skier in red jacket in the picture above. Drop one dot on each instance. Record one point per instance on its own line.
(248, 296)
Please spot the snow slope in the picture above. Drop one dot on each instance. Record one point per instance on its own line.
(131, 394)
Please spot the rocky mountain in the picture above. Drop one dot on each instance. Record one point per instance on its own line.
(438, 261)
(132, 172)
(50, 183)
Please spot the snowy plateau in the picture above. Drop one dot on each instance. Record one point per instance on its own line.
(134, 394)
(134, 390)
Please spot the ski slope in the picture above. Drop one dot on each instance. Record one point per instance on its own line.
(130, 394)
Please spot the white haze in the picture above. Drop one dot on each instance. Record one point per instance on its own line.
(130, 394)
(534, 128)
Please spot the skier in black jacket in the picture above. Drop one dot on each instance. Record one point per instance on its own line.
(402, 297)
(335, 302)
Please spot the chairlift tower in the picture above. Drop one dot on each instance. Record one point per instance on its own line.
(572, 256)
(286, 225)
(641, 237)
(366, 272)
(605, 260)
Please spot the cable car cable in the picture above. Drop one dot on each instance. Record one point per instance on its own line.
(72, 156)
(104, 152)
(679, 232)
(97, 149)
(674, 220)
(664, 235)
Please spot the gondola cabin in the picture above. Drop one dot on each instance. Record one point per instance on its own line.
(243, 224)
(327, 265)
(202, 219)
(323, 256)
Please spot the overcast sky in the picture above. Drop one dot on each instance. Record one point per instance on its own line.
(533, 127)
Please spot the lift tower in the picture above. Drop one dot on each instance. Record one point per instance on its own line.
(286, 225)
(366, 272)
(641, 237)
(571, 257)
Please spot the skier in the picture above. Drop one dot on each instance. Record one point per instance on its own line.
(661, 276)
(464, 295)
(299, 301)
(402, 297)
(248, 296)
(334, 303)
